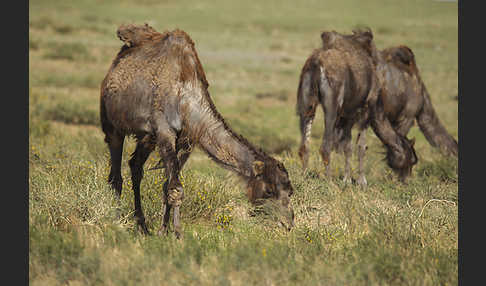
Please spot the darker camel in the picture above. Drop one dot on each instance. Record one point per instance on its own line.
(341, 77)
(406, 99)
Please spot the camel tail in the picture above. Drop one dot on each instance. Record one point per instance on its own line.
(433, 130)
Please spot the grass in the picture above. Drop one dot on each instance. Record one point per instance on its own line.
(67, 51)
(252, 53)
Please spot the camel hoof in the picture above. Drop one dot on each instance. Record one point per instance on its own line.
(347, 180)
(362, 182)
(164, 231)
(178, 234)
(144, 230)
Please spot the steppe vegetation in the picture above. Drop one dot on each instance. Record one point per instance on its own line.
(252, 53)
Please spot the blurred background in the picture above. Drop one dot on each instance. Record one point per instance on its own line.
(252, 53)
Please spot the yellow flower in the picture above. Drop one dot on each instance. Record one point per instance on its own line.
(182, 180)
(264, 252)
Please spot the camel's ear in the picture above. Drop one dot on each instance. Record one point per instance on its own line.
(258, 168)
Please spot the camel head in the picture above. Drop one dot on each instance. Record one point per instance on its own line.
(402, 161)
(270, 181)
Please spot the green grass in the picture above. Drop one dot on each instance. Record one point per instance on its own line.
(67, 51)
(252, 53)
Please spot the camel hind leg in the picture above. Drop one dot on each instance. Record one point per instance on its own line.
(307, 102)
(362, 147)
(115, 145)
(142, 151)
(363, 123)
(344, 145)
(305, 129)
(114, 138)
(328, 140)
(331, 102)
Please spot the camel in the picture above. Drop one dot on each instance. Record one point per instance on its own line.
(156, 91)
(406, 99)
(341, 77)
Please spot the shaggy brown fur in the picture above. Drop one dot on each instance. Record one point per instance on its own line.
(133, 35)
(405, 98)
(156, 90)
(341, 77)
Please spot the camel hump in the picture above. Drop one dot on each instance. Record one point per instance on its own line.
(401, 57)
(363, 36)
(404, 54)
(134, 35)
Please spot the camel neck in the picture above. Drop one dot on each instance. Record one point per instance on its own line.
(216, 138)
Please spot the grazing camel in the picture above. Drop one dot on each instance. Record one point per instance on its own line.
(406, 99)
(341, 77)
(156, 91)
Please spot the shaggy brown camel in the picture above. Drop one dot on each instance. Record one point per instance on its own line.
(406, 99)
(156, 90)
(341, 77)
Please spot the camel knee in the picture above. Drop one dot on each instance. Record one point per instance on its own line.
(175, 196)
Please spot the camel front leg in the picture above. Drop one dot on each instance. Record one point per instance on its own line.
(173, 192)
(361, 155)
(166, 207)
(347, 150)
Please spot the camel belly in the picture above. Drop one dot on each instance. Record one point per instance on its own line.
(130, 109)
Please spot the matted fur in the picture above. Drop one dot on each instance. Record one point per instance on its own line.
(156, 90)
(342, 77)
(406, 98)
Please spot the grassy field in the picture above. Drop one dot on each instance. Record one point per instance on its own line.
(252, 52)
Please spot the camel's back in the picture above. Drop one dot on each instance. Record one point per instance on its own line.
(162, 60)
(339, 62)
(398, 72)
(400, 82)
(148, 73)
